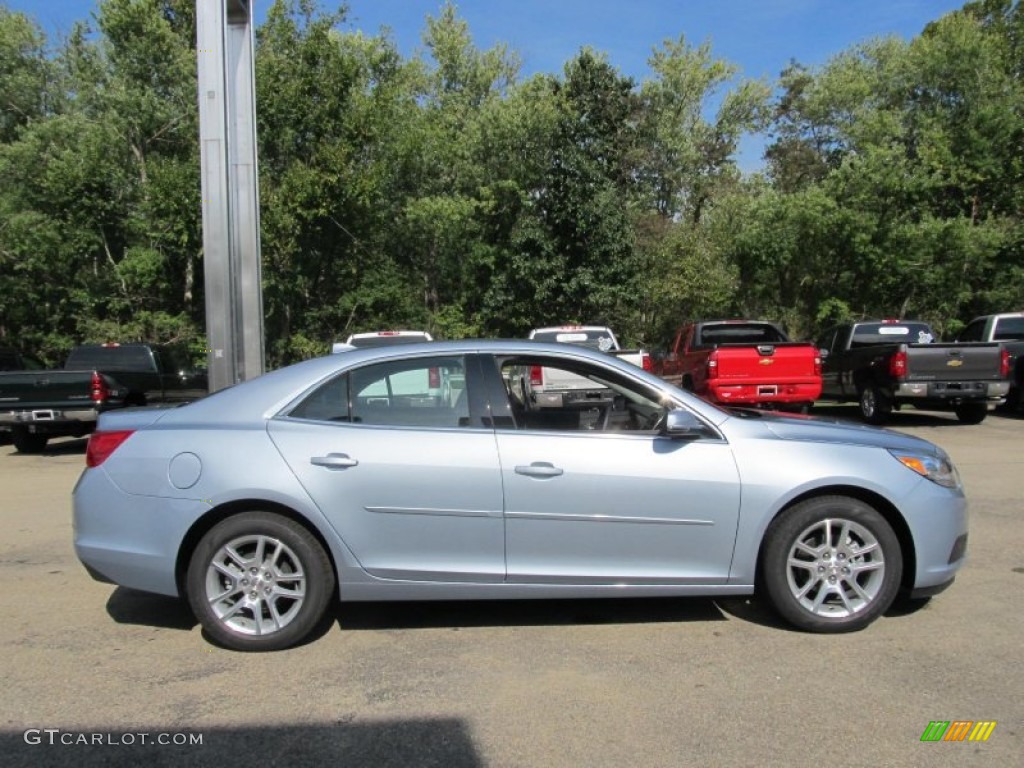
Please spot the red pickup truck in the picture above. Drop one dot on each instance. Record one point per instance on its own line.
(743, 362)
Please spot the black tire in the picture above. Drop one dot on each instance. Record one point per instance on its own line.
(300, 566)
(820, 596)
(875, 405)
(25, 442)
(971, 413)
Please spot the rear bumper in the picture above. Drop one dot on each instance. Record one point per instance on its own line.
(130, 540)
(50, 421)
(953, 391)
(764, 393)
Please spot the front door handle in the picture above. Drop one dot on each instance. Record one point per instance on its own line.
(539, 469)
(334, 461)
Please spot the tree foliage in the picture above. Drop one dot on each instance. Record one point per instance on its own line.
(447, 192)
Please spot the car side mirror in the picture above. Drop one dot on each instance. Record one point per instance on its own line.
(680, 424)
(824, 353)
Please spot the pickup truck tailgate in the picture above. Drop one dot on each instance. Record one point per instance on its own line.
(780, 362)
(953, 362)
(44, 389)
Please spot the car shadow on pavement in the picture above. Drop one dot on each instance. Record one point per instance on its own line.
(60, 447)
(391, 743)
(129, 606)
(526, 613)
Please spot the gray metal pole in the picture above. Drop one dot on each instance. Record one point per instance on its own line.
(230, 190)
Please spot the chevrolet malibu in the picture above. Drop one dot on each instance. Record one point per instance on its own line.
(323, 481)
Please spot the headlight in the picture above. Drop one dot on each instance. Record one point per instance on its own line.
(938, 469)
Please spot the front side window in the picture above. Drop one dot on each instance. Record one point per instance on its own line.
(566, 396)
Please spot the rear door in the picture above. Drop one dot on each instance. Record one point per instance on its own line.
(405, 474)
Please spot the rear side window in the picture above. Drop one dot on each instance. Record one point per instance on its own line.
(422, 392)
(1009, 329)
(329, 402)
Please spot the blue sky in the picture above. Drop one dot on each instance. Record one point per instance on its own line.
(759, 36)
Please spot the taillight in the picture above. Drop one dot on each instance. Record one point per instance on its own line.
(712, 368)
(536, 376)
(817, 365)
(898, 365)
(1004, 363)
(434, 378)
(102, 444)
(98, 389)
(645, 362)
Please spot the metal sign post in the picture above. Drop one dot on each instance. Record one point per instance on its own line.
(230, 190)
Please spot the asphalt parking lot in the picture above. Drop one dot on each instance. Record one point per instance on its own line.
(94, 674)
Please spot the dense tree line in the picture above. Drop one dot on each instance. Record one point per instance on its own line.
(448, 192)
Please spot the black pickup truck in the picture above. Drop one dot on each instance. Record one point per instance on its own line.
(36, 405)
(884, 364)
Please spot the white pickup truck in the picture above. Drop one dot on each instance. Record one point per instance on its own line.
(554, 388)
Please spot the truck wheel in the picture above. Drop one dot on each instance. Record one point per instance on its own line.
(831, 564)
(25, 442)
(971, 413)
(875, 405)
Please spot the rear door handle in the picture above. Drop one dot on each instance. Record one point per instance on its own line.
(539, 469)
(334, 461)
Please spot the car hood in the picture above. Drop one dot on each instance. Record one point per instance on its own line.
(824, 429)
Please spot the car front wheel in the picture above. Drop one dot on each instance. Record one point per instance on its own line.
(258, 581)
(831, 564)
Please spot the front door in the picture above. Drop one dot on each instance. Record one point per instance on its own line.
(595, 495)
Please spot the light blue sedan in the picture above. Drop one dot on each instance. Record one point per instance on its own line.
(332, 479)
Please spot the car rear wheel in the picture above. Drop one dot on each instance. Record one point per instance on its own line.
(875, 405)
(972, 413)
(259, 582)
(831, 564)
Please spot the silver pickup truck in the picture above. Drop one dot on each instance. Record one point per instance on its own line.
(553, 388)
